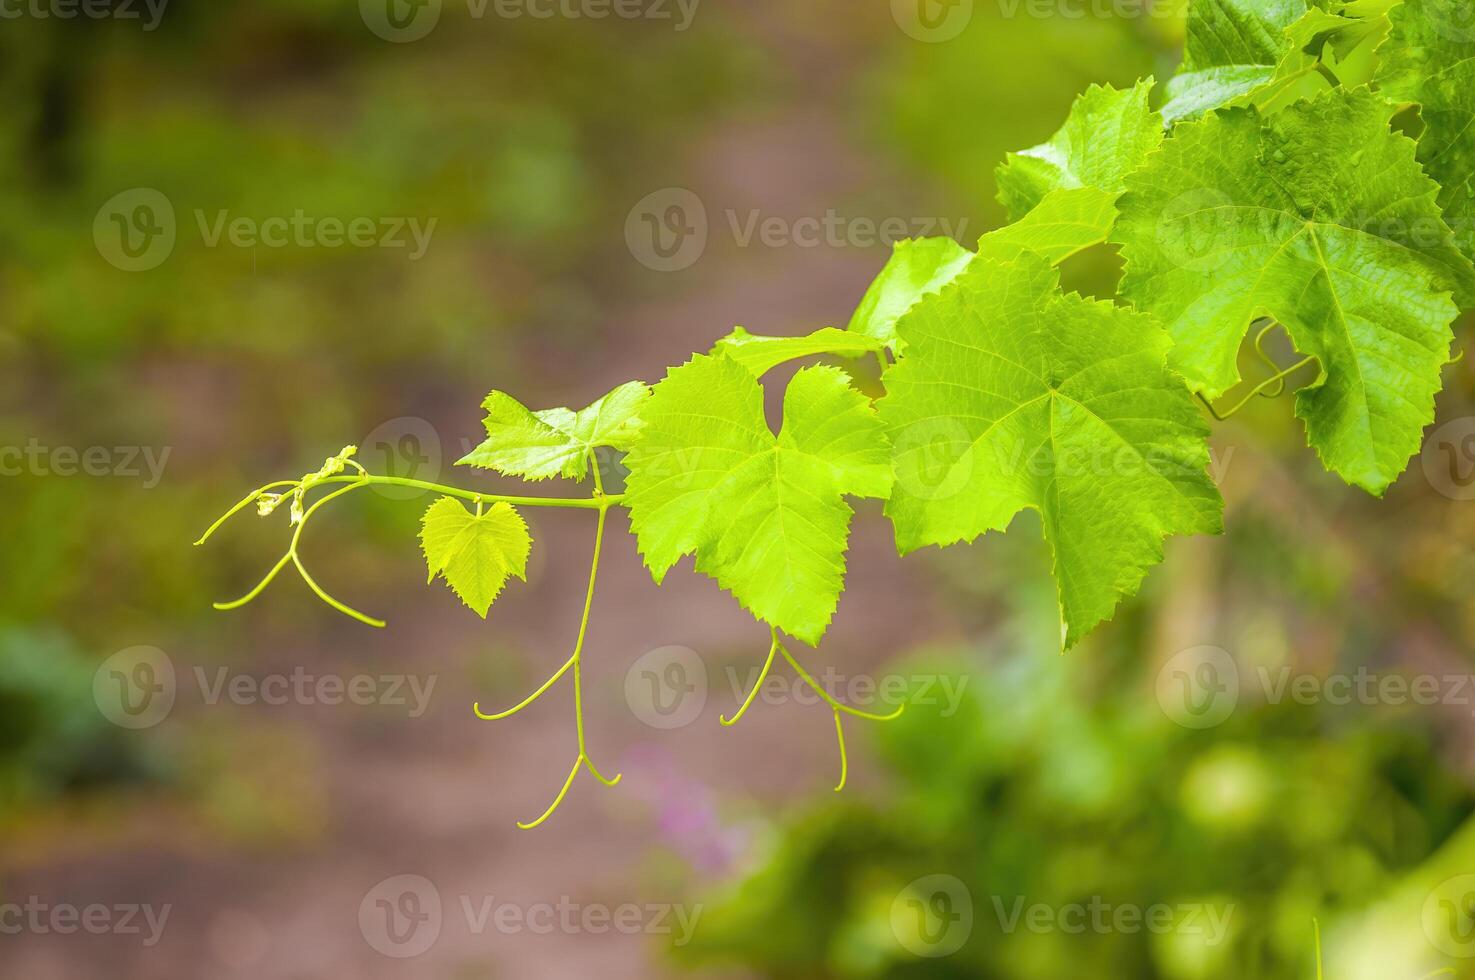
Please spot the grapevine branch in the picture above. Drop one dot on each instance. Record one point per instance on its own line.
(267, 497)
(708, 479)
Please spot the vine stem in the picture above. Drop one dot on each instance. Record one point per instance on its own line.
(599, 501)
(576, 662)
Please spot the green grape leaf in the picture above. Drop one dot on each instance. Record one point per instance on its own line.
(764, 515)
(1319, 51)
(917, 266)
(1238, 32)
(475, 553)
(1064, 223)
(1234, 48)
(556, 441)
(1062, 194)
(1430, 60)
(761, 354)
(1106, 136)
(1319, 217)
(1013, 395)
(1191, 94)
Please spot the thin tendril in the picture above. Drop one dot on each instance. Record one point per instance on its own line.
(244, 502)
(476, 706)
(753, 694)
(295, 559)
(804, 675)
(844, 763)
(576, 661)
(1269, 361)
(1254, 392)
(836, 707)
(1316, 928)
(1277, 381)
(556, 800)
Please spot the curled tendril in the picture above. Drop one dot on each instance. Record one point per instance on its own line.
(777, 647)
(1272, 387)
(294, 557)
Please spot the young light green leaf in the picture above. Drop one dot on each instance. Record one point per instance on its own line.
(1063, 193)
(1319, 51)
(1064, 223)
(766, 517)
(1238, 32)
(1319, 217)
(1015, 396)
(917, 266)
(476, 554)
(761, 354)
(556, 441)
(1106, 136)
(1430, 60)
(1233, 49)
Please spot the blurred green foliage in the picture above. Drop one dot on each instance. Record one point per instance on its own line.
(1061, 782)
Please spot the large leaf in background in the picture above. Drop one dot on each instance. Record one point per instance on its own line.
(1430, 60)
(556, 441)
(1061, 194)
(1238, 32)
(765, 516)
(1319, 51)
(1320, 217)
(917, 266)
(476, 553)
(1233, 48)
(1013, 395)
